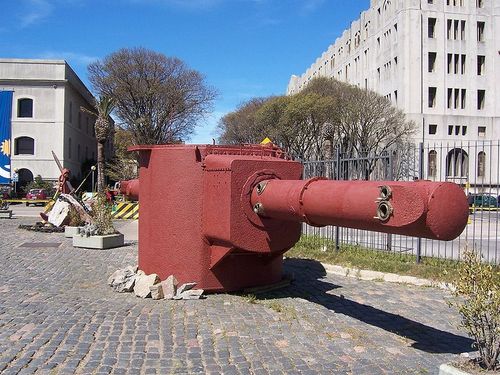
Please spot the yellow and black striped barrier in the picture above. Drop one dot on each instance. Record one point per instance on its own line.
(125, 210)
(473, 209)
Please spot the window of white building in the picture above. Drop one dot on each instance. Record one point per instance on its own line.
(432, 97)
(431, 27)
(25, 108)
(480, 64)
(481, 164)
(457, 163)
(481, 94)
(432, 62)
(480, 31)
(432, 165)
(24, 146)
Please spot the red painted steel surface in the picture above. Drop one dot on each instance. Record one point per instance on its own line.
(196, 219)
(436, 210)
(203, 219)
(130, 188)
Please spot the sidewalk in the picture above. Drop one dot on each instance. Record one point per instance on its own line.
(58, 316)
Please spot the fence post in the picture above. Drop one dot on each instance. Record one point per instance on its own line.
(390, 177)
(337, 229)
(421, 177)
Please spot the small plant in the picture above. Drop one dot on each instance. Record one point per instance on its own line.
(101, 215)
(288, 312)
(276, 306)
(251, 298)
(477, 298)
(75, 219)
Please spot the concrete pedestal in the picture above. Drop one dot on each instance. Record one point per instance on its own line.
(69, 232)
(99, 242)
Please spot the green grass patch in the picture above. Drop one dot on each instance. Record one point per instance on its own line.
(323, 250)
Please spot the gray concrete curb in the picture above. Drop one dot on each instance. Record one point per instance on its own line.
(445, 369)
(382, 276)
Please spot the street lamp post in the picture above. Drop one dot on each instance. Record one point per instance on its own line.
(15, 181)
(93, 171)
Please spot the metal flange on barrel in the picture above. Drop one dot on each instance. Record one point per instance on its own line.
(384, 207)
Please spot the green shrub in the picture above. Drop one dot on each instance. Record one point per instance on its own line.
(40, 183)
(75, 219)
(477, 298)
(102, 215)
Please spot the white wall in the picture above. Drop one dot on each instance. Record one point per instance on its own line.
(52, 86)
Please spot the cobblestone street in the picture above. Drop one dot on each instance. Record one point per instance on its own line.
(58, 316)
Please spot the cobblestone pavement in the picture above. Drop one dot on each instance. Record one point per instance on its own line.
(58, 316)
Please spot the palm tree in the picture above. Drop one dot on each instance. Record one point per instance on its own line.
(103, 127)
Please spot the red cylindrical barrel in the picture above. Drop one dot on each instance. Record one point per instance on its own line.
(130, 188)
(436, 210)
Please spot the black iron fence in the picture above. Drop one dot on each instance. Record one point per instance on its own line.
(475, 166)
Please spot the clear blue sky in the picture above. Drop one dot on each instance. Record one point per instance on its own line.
(245, 48)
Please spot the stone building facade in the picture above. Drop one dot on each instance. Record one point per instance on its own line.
(46, 116)
(436, 60)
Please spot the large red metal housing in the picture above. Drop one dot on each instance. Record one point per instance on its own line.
(223, 216)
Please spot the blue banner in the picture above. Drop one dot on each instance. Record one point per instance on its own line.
(5, 131)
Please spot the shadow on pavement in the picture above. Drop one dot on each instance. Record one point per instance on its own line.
(308, 285)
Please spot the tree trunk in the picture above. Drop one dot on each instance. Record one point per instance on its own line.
(100, 167)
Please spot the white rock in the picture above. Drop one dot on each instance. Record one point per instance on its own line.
(169, 287)
(156, 291)
(191, 294)
(123, 280)
(185, 287)
(58, 213)
(142, 284)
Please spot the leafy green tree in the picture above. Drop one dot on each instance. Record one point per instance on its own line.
(241, 126)
(326, 113)
(296, 122)
(158, 98)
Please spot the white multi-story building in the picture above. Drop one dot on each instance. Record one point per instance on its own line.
(47, 116)
(437, 60)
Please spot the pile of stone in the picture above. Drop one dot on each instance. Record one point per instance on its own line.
(131, 279)
(42, 227)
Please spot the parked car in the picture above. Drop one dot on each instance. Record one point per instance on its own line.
(36, 194)
(482, 200)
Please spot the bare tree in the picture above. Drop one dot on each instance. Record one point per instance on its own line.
(123, 166)
(158, 98)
